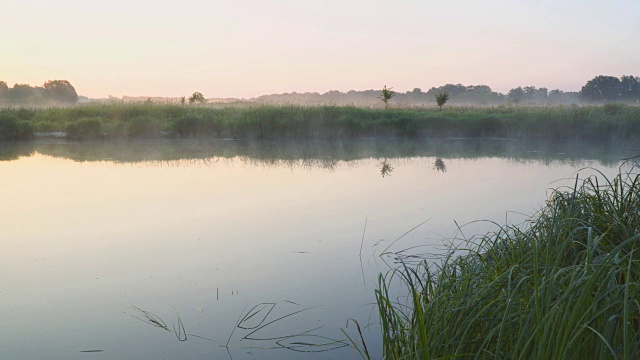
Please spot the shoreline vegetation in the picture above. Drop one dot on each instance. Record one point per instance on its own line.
(153, 121)
(565, 285)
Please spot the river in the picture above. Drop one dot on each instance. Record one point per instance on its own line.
(207, 249)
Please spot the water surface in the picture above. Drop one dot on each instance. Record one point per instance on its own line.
(198, 233)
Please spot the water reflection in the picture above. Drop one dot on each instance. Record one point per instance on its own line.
(321, 154)
(385, 168)
(439, 165)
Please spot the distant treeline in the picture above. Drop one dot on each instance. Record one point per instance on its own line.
(600, 89)
(50, 93)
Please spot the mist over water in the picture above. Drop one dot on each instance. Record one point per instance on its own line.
(207, 235)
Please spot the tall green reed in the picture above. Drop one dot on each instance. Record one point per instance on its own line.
(565, 286)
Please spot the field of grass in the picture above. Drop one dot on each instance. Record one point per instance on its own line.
(565, 286)
(121, 120)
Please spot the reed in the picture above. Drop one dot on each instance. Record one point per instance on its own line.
(13, 127)
(564, 286)
(255, 121)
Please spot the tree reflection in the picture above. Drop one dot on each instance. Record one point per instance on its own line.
(386, 168)
(439, 165)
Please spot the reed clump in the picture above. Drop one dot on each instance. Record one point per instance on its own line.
(13, 127)
(565, 286)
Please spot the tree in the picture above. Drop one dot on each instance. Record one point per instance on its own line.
(529, 92)
(182, 100)
(472, 94)
(24, 94)
(542, 95)
(602, 88)
(387, 94)
(479, 89)
(414, 96)
(441, 99)
(555, 96)
(454, 90)
(533, 95)
(197, 98)
(516, 95)
(60, 91)
(4, 91)
(629, 86)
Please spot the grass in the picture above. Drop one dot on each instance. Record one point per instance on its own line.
(139, 120)
(564, 286)
(256, 325)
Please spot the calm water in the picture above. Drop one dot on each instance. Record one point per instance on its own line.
(200, 233)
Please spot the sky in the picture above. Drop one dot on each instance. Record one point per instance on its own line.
(248, 48)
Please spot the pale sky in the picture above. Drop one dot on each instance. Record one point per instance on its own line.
(248, 48)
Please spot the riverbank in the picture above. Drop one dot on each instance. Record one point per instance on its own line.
(565, 286)
(132, 121)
